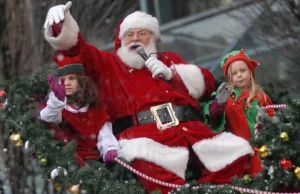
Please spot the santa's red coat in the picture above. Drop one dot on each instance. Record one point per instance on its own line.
(125, 91)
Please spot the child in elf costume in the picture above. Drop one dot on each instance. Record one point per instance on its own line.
(238, 102)
(73, 105)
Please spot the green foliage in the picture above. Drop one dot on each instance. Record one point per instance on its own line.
(23, 95)
(194, 188)
(277, 97)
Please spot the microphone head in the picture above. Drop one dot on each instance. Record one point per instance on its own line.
(140, 50)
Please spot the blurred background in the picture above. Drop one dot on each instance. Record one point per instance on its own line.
(200, 31)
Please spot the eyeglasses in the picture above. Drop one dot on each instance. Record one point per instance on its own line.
(141, 35)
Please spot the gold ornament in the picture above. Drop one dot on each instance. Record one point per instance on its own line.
(297, 172)
(263, 151)
(284, 136)
(75, 189)
(246, 178)
(43, 161)
(15, 139)
(57, 186)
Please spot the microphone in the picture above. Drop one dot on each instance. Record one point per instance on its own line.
(141, 51)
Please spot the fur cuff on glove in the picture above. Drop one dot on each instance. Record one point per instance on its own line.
(68, 36)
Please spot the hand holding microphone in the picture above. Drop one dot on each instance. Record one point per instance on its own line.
(141, 51)
(157, 68)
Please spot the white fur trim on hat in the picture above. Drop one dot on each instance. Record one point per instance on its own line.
(173, 159)
(139, 19)
(218, 152)
(192, 78)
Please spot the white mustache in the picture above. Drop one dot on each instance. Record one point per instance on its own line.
(135, 44)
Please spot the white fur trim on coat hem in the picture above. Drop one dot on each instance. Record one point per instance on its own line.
(173, 159)
(221, 150)
(192, 78)
(68, 36)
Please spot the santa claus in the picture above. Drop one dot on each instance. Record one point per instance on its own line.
(154, 104)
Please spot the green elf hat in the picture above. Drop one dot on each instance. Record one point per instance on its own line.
(69, 65)
(236, 56)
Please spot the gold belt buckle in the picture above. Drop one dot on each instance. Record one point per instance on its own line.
(171, 112)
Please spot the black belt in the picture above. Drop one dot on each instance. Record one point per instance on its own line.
(183, 113)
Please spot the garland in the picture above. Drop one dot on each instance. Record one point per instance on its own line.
(57, 160)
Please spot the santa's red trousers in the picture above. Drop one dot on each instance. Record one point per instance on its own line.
(150, 169)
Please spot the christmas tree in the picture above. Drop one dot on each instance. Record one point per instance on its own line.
(276, 144)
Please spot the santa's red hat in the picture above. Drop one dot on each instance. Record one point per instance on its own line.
(236, 56)
(69, 65)
(139, 19)
(117, 39)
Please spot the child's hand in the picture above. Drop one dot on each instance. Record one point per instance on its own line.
(223, 93)
(58, 89)
(110, 156)
(261, 115)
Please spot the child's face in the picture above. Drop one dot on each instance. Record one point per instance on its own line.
(240, 74)
(71, 84)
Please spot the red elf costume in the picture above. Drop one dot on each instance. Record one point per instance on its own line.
(89, 126)
(235, 116)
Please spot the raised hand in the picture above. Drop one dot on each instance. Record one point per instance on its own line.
(57, 14)
(158, 69)
(110, 156)
(58, 89)
(223, 93)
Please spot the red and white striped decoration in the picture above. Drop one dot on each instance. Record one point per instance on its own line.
(279, 106)
(145, 176)
(175, 186)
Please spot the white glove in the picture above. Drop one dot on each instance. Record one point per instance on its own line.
(57, 14)
(223, 93)
(158, 69)
(261, 115)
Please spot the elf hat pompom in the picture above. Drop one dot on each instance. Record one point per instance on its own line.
(236, 56)
(139, 19)
(68, 65)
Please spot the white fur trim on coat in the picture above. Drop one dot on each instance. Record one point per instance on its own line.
(192, 78)
(173, 159)
(52, 112)
(68, 36)
(139, 19)
(80, 110)
(221, 150)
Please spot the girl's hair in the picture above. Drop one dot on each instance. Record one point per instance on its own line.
(253, 88)
(87, 93)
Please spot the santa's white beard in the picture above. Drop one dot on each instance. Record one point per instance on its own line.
(132, 59)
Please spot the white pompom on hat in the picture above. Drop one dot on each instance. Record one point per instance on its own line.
(139, 19)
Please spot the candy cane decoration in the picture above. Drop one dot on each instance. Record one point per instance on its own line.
(277, 106)
(176, 186)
